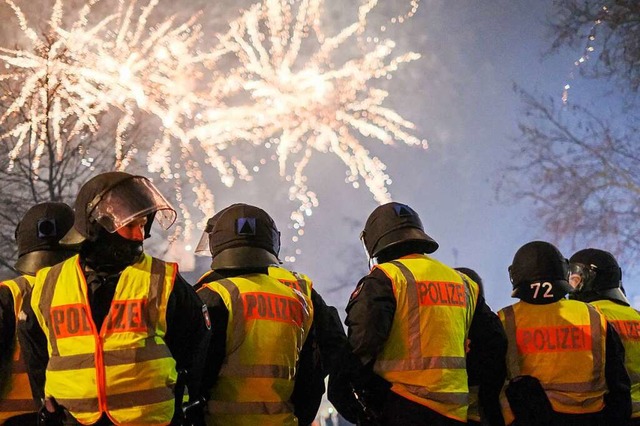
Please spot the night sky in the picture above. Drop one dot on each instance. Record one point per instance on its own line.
(460, 95)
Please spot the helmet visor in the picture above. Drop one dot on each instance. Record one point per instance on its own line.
(202, 249)
(371, 261)
(581, 276)
(129, 200)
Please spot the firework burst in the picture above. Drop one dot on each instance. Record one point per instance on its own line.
(302, 101)
(281, 86)
(118, 66)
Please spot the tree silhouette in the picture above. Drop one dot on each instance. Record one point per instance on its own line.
(608, 30)
(50, 167)
(581, 172)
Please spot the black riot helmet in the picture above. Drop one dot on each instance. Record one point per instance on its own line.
(474, 276)
(38, 236)
(539, 273)
(597, 275)
(392, 224)
(244, 236)
(112, 200)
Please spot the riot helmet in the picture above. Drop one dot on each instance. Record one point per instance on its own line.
(112, 200)
(474, 276)
(203, 247)
(114, 214)
(597, 275)
(38, 237)
(244, 236)
(391, 225)
(539, 273)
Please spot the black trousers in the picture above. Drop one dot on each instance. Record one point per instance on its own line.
(22, 420)
(399, 411)
(561, 419)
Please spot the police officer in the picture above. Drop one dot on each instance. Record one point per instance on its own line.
(321, 351)
(111, 327)
(38, 234)
(408, 322)
(474, 414)
(566, 364)
(598, 281)
(259, 325)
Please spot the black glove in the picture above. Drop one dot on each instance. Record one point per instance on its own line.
(371, 396)
(529, 402)
(194, 412)
(340, 394)
(357, 392)
(51, 418)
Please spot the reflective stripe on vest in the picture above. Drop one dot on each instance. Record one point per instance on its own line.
(626, 321)
(268, 323)
(125, 369)
(423, 362)
(15, 395)
(549, 341)
(292, 279)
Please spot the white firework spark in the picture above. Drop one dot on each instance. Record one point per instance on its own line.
(300, 105)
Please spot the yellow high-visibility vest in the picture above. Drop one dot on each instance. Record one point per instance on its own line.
(562, 344)
(268, 324)
(15, 396)
(124, 369)
(424, 356)
(626, 321)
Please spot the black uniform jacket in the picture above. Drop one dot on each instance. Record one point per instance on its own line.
(618, 398)
(7, 333)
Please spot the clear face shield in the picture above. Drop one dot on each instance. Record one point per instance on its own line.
(371, 261)
(581, 275)
(129, 200)
(202, 248)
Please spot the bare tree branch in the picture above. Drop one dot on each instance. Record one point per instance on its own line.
(611, 28)
(582, 173)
